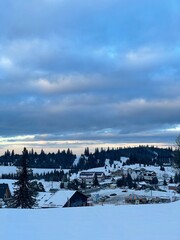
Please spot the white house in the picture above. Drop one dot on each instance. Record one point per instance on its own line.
(88, 177)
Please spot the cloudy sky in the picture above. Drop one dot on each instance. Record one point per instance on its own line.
(77, 73)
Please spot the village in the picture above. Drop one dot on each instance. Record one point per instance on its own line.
(113, 184)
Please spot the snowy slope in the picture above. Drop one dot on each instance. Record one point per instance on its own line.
(47, 185)
(13, 169)
(142, 222)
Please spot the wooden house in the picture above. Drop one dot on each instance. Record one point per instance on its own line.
(172, 186)
(5, 193)
(63, 198)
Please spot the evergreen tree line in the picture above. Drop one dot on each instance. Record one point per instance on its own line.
(146, 155)
(137, 155)
(64, 159)
(50, 176)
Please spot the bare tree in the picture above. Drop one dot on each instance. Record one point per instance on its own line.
(177, 152)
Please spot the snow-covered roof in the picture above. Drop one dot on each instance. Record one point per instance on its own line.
(172, 185)
(43, 197)
(142, 183)
(57, 199)
(88, 174)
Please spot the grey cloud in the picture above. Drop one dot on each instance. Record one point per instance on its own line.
(113, 18)
(68, 116)
(73, 69)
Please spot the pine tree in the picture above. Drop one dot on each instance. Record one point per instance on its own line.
(62, 185)
(95, 181)
(129, 181)
(154, 181)
(119, 182)
(24, 194)
(86, 152)
(177, 152)
(83, 184)
(177, 178)
(171, 180)
(164, 182)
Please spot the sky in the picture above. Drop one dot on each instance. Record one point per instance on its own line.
(77, 73)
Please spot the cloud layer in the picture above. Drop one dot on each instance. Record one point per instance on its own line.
(105, 71)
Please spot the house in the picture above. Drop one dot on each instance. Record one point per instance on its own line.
(126, 171)
(134, 175)
(5, 193)
(118, 172)
(89, 177)
(63, 198)
(172, 186)
(149, 175)
(112, 186)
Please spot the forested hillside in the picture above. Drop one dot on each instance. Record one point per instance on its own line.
(145, 155)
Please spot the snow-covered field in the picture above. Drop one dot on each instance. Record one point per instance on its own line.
(108, 222)
(126, 222)
(47, 185)
(13, 169)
